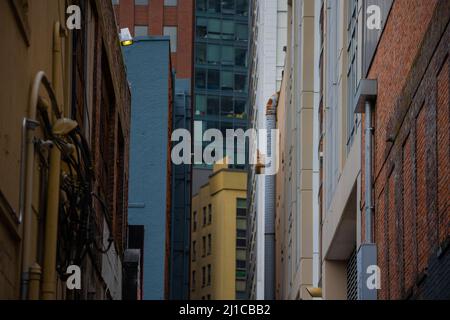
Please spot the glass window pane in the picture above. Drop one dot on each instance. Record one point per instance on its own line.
(170, 3)
(240, 285)
(227, 29)
(226, 80)
(140, 31)
(202, 28)
(214, 6)
(200, 78)
(228, 7)
(201, 5)
(240, 57)
(214, 28)
(213, 54)
(200, 108)
(242, 32)
(226, 106)
(227, 55)
(213, 79)
(240, 82)
(242, 7)
(239, 109)
(213, 106)
(200, 54)
(172, 33)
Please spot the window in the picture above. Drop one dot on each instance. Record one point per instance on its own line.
(115, 2)
(228, 7)
(140, 31)
(194, 222)
(240, 274)
(226, 107)
(240, 264)
(204, 246)
(240, 112)
(213, 79)
(226, 80)
(202, 28)
(213, 105)
(240, 286)
(240, 57)
(227, 55)
(194, 250)
(209, 214)
(213, 54)
(170, 3)
(242, 32)
(214, 28)
(172, 33)
(241, 243)
(241, 208)
(209, 244)
(214, 6)
(242, 7)
(209, 274)
(201, 5)
(228, 30)
(240, 82)
(200, 78)
(141, 2)
(193, 280)
(208, 297)
(353, 76)
(203, 276)
(200, 106)
(200, 53)
(204, 216)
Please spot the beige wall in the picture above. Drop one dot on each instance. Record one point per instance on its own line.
(294, 218)
(20, 59)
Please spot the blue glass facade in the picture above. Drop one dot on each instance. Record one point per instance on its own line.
(221, 60)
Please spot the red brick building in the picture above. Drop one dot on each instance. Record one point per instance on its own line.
(160, 17)
(411, 151)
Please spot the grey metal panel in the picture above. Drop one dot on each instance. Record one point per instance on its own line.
(371, 37)
(367, 256)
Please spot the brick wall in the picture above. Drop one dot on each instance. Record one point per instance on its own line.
(156, 16)
(411, 155)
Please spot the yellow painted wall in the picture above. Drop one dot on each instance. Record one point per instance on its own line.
(225, 186)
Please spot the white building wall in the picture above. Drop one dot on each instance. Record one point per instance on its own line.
(271, 37)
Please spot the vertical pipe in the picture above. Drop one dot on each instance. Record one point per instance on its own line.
(368, 172)
(51, 222)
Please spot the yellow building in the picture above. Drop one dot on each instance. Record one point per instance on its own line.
(219, 236)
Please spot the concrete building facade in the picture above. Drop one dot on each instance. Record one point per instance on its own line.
(150, 199)
(219, 236)
(63, 195)
(174, 19)
(269, 38)
(294, 182)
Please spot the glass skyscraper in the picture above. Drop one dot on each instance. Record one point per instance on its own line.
(221, 60)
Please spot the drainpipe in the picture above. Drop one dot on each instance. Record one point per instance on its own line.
(366, 258)
(51, 221)
(26, 175)
(368, 173)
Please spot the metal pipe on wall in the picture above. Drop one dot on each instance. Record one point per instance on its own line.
(368, 172)
(51, 221)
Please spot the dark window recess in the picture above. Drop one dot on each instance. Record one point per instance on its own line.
(241, 212)
(241, 264)
(241, 243)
